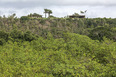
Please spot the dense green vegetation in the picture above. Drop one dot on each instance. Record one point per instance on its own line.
(57, 47)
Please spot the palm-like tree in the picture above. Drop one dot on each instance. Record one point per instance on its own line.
(47, 11)
(50, 12)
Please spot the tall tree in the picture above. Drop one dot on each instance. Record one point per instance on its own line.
(50, 12)
(47, 11)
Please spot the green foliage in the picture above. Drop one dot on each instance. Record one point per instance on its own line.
(42, 21)
(73, 55)
(43, 48)
(100, 32)
(28, 36)
(16, 34)
(24, 19)
(19, 35)
(4, 35)
(2, 41)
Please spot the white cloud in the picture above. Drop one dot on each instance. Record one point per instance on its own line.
(61, 11)
(96, 8)
(60, 2)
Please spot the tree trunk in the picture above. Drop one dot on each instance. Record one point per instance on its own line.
(48, 14)
(45, 15)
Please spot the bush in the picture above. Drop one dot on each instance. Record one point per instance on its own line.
(4, 35)
(28, 36)
(2, 41)
(100, 32)
(16, 34)
(24, 18)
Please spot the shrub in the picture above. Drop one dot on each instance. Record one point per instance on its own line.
(100, 32)
(24, 18)
(2, 41)
(4, 35)
(15, 34)
(28, 36)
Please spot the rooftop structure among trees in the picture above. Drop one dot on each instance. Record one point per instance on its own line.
(35, 15)
(76, 15)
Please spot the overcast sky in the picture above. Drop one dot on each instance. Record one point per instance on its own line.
(60, 8)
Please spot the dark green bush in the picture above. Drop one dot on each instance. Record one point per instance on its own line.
(4, 35)
(16, 34)
(100, 32)
(24, 19)
(2, 41)
(28, 36)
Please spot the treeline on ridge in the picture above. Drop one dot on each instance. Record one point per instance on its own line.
(95, 28)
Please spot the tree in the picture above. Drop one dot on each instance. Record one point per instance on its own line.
(48, 11)
(45, 11)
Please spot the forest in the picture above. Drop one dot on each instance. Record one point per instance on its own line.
(57, 47)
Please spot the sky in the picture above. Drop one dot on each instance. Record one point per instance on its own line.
(60, 8)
